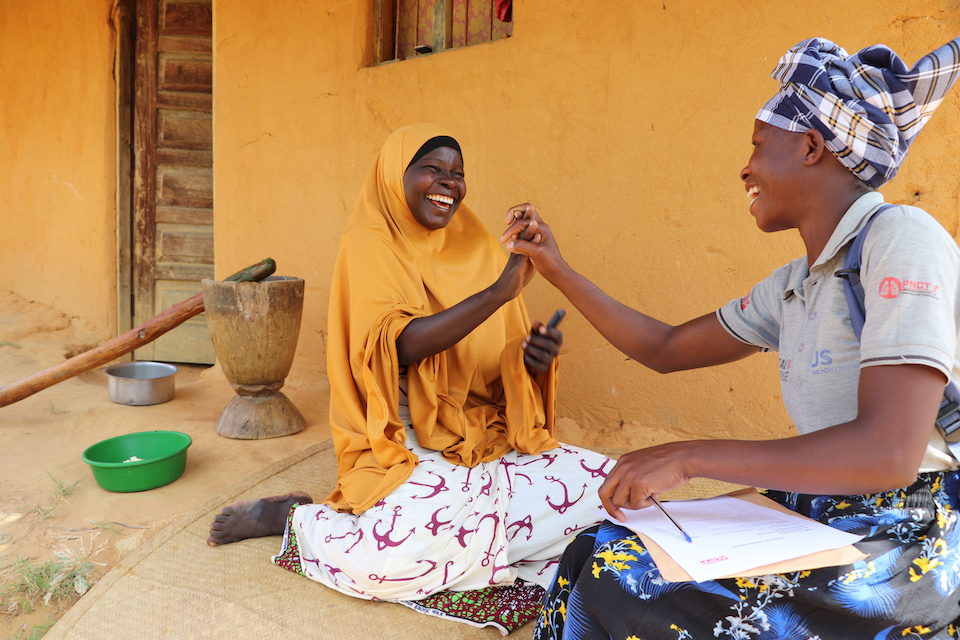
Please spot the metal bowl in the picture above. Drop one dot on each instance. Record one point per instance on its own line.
(141, 383)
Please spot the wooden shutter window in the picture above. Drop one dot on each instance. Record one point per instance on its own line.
(407, 28)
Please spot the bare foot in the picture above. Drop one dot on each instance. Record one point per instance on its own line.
(254, 518)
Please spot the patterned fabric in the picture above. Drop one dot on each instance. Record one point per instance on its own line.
(289, 556)
(868, 106)
(607, 586)
(451, 527)
(506, 608)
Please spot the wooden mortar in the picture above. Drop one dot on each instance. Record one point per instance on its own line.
(254, 327)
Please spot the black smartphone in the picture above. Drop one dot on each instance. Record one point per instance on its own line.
(555, 320)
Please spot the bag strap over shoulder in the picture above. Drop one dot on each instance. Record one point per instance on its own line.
(852, 287)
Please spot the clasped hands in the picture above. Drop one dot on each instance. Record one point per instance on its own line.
(639, 474)
(542, 344)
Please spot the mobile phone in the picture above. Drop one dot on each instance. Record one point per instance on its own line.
(555, 320)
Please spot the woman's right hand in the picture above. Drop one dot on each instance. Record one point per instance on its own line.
(640, 474)
(528, 235)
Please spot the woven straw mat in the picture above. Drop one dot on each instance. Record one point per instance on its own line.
(177, 587)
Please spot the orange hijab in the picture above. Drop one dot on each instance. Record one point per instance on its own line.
(475, 401)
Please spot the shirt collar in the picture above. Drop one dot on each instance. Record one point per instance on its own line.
(850, 225)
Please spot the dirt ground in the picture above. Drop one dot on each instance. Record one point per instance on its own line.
(51, 508)
(53, 513)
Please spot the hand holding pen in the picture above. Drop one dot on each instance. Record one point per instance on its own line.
(641, 475)
(686, 536)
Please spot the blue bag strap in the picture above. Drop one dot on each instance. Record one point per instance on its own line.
(852, 287)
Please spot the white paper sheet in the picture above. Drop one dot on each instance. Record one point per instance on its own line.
(731, 535)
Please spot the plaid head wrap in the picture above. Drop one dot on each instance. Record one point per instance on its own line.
(868, 106)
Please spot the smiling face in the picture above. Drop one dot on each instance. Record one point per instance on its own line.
(772, 176)
(434, 186)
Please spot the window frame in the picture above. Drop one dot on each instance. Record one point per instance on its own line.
(386, 25)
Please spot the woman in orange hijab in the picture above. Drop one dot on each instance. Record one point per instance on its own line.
(442, 404)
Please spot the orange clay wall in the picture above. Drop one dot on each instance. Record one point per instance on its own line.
(58, 157)
(625, 123)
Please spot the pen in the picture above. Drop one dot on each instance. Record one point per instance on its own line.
(675, 523)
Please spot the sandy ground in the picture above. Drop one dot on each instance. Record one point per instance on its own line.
(50, 504)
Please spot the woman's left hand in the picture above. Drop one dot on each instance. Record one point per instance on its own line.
(540, 347)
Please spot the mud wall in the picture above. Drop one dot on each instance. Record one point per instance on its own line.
(627, 128)
(58, 157)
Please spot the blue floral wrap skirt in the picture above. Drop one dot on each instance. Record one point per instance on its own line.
(607, 585)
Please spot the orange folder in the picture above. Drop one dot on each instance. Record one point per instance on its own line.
(673, 572)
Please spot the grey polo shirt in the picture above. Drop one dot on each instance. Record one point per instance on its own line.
(910, 275)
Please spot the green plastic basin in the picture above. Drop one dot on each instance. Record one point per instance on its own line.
(138, 461)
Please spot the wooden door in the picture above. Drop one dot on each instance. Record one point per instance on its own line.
(172, 221)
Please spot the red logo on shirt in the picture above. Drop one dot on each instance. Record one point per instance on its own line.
(744, 302)
(890, 288)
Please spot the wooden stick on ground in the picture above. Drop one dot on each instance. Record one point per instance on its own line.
(124, 344)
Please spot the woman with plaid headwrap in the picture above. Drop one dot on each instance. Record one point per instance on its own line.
(868, 458)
